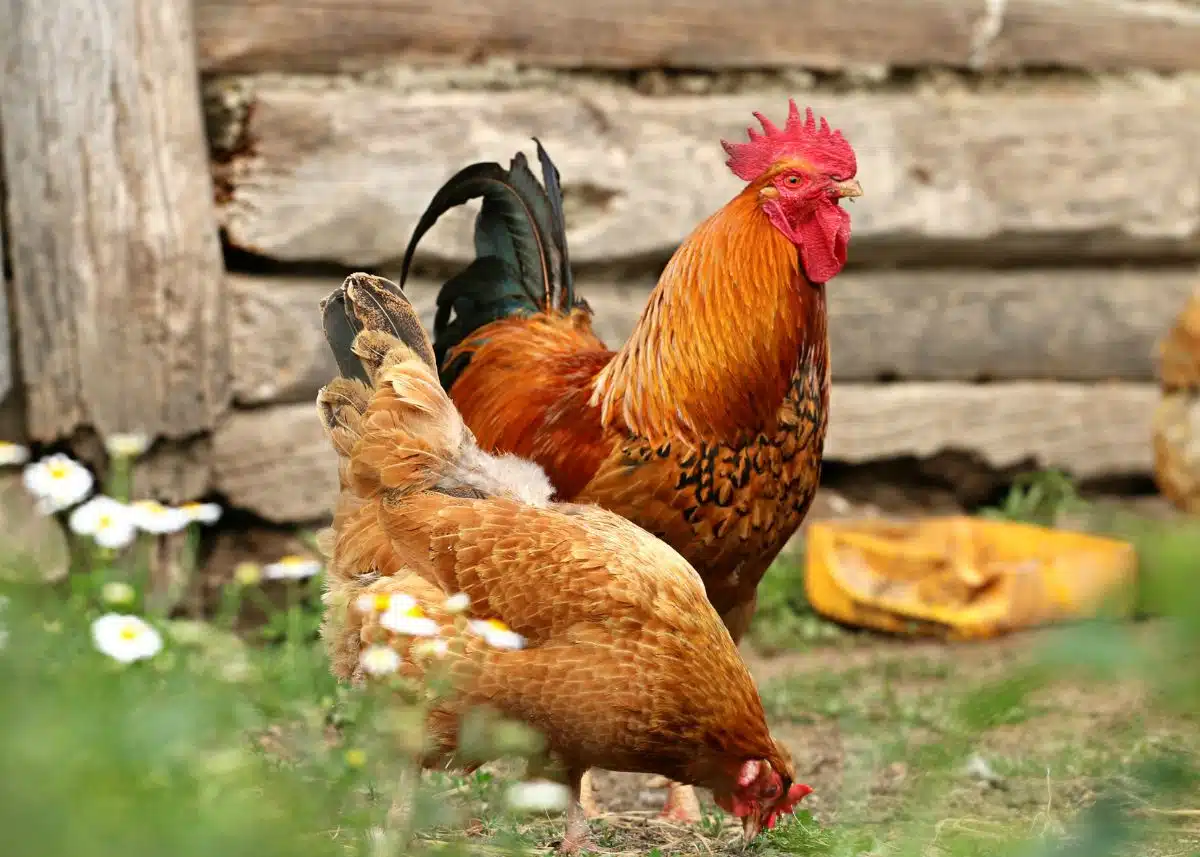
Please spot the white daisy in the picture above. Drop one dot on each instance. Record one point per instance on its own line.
(117, 593)
(291, 568)
(202, 513)
(381, 602)
(537, 796)
(109, 522)
(153, 517)
(410, 621)
(125, 638)
(127, 445)
(459, 602)
(12, 454)
(379, 660)
(58, 482)
(496, 634)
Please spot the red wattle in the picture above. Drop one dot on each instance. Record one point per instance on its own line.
(824, 238)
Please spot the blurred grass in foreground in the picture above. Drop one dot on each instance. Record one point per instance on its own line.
(217, 747)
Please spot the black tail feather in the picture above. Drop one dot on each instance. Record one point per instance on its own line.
(521, 265)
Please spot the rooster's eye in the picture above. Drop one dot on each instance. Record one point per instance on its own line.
(793, 180)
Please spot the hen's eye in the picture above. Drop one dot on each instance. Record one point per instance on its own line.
(771, 792)
(793, 180)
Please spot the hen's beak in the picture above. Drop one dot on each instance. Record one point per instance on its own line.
(848, 189)
(751, 825)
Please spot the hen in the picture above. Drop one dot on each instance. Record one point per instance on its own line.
(625, 665)
(707, 427)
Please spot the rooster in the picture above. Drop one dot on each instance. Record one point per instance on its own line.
(707, 427)
(625, 664)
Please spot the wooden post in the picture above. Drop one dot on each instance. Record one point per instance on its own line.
(6, 373)
(116, 263)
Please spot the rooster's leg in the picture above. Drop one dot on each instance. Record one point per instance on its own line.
(682, 804)
(587, 797)
(576, 838)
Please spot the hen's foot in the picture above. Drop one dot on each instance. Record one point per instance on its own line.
(682, 805)
(576, 839)
(587, 798)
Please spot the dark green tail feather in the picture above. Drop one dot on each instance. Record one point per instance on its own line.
(521, 265)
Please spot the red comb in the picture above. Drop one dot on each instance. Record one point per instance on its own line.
(797, 793)
(825, 149)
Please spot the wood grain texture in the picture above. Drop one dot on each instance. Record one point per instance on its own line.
(341, 170)
(116, 262)
(1068, 325)
(1078, 324)
(276, 462)
(279, 351)
(1085, 429)
(324, 35)
(6, 343)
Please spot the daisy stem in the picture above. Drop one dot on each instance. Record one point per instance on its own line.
(120, 478)
(231, 606)
(293, 624)
(191, 551)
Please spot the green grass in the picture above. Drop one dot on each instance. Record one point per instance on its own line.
(228, 745)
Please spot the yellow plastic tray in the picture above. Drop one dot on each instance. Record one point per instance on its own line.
(962, 577)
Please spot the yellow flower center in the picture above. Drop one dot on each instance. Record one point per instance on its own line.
(104, 523)
(57, 471)
(496, 624)
(294, 560)
(382, 600)
(129, 632)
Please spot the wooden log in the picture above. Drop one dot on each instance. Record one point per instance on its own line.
(117, 268)
(1075, 324)
(1072, 324)
(1088, 430)
(6, 345)
(279, 350)
(341, 171)
(277, 463)
(325, 35)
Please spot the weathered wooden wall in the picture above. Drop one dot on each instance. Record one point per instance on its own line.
(1025, 238)
(116, 264)
(829, 35)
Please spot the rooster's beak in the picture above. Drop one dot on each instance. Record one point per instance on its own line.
(848, 189)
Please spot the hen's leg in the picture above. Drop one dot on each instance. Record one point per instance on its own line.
(682, 804)
(587, 797)
(576, 838)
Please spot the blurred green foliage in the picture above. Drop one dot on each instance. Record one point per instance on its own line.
(221, 746)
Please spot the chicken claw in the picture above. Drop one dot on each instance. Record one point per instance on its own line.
(577, 836)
